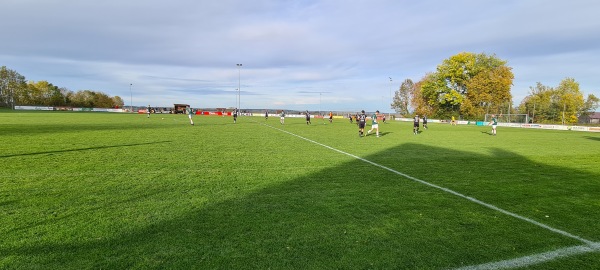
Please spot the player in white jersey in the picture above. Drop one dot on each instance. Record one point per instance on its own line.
(374, 123)
(190, 112)
(416, 125)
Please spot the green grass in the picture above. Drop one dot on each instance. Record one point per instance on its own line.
(114, 191)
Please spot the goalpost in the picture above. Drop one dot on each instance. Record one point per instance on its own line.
(509, 118)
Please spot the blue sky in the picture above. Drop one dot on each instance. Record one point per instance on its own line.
(315, 55)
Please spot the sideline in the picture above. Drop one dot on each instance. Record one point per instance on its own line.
(589, 246)
(534, 259)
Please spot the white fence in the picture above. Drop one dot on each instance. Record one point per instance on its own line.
(43, 108)
(516, 125)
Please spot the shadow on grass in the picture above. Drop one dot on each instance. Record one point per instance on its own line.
(381, 134)
(592, 138)
(354, 216)
(82, 149)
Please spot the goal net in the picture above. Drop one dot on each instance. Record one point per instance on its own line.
(509, 118)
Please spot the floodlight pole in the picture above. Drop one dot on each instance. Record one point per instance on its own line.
(533, 116)
(563, 113)
(322, 118)
(130, 98)
(239, 84)
(391, 98)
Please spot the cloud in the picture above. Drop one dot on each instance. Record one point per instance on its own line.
(188, 50)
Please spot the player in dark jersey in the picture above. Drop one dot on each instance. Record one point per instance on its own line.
(148, 111)
(362, 120)
(307, 117)
(266, 115)
(416, 125)
(235, 113)
(425, 121)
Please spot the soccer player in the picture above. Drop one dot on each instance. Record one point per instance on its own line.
(494, 123)
(330, 117)
(307, 117)
(361, 120)
(266, 115)
(374, 124)
(425, 121)
(282, 117)
(235, 113)
(148, 111)
(383, 118)
(453, 121)
(190, 113)
(416, 124)
(350, 117)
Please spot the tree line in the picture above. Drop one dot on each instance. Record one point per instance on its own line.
(471, 85)
(565, 102)
(15, 90)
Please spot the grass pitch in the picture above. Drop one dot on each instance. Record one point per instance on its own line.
(114, 191)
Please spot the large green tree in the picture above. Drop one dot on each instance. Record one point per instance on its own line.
(118, 102)
(569, 100)
(402, 97)
(562, 104)
(470, 84)
(418, 101)
(11, 83)
(420, 105)
(538, 103)
(489, 92)
(39, 93)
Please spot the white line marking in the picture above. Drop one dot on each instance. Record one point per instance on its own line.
(589, 247)
(534, 259)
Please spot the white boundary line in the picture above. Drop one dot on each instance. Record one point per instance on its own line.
(589, 246)
(534, 259)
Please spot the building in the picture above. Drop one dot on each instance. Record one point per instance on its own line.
(593, 118)
(180, 108)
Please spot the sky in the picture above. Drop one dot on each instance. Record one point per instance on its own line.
(294, 54)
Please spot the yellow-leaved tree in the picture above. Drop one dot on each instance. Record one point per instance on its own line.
(469, 84)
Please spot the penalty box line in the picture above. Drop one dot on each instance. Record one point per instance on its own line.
(589, 243)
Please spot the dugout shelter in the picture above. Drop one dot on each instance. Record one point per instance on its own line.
(180, 108)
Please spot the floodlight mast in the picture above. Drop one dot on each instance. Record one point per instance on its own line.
(130, 98)
(239, 84)
(391, 99)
